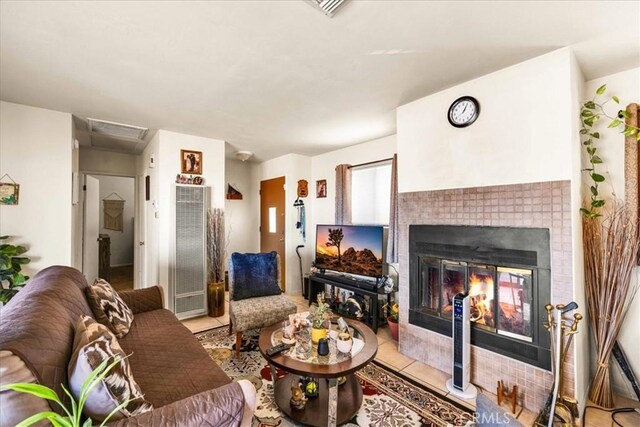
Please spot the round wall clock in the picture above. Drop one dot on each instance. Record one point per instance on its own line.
(464, 111)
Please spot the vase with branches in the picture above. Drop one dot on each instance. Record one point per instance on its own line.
(216, 253)
(611, 246)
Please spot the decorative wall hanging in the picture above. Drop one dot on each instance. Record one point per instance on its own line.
(113, 209)
(191, 180)
(9, 191)
(321, 188)
(303, 188)
(191, 161)
(233, 193)
(301, 220)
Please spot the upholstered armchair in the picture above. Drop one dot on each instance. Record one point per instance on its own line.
(255, 296)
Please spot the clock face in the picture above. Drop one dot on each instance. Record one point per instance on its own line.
(464, 111)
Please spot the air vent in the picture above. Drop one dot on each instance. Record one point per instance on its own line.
(116, 130)
(329, 7)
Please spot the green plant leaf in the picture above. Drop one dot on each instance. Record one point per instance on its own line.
(597, 203)
(47, 415)
(583, 131)
(630, 131)
(597, 177)
(586, 113)
(601, 89)
(595, 135)
(615, 99)
(4, 237)
(594, 190)
(590, 105)
(595, 159)
(35, 390)
(614, 123)
(623, 113)
(585, 212)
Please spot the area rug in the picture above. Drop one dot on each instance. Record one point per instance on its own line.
(389, 399)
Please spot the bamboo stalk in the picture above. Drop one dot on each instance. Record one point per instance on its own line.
(611, 246)
(216, 245)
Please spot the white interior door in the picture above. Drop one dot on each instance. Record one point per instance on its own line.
(141, 263)
(91, 228)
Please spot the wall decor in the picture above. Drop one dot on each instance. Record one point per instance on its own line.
(191, 161)
(113, 209)
(9, 191)
(233, 193)
(303, 188)
(190, 180)
(147, 188)
(321, 188)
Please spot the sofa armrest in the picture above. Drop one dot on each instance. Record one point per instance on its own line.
(220, 407)
(141, 300)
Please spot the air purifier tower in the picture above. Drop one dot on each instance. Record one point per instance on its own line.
(459, 384)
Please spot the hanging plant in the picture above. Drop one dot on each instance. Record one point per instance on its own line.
(591, 112)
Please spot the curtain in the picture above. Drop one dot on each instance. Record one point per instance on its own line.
(343, 194)
(392, 243)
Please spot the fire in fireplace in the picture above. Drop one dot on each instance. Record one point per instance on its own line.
(504, 270)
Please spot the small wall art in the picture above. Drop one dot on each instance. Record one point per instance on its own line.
(191, 162)
(9, 191)
(233, 193)
(321, 188)
(191, 180)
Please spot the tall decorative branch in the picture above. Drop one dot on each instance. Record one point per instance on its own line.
(611, 246)
(216, 245)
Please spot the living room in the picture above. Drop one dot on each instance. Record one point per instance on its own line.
(220, 94)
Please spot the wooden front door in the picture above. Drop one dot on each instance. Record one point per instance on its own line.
(272, 234)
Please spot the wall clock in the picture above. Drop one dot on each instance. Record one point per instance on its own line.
(464, 111)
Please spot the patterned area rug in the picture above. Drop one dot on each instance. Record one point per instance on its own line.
(389, 399)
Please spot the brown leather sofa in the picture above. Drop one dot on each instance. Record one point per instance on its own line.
(173, 370)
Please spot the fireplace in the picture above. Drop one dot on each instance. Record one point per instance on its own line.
(505, 271)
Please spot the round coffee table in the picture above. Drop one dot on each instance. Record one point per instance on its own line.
(334, 404)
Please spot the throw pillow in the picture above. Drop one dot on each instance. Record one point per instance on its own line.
(109, 308)
(93, 344)
(254, 275)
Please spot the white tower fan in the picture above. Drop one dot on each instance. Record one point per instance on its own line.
(460, 385)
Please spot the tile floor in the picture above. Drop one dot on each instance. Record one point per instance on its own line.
(388, 355)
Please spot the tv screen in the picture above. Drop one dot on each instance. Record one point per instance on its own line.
(353, 249)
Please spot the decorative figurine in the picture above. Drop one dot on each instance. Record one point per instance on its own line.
(298, 399)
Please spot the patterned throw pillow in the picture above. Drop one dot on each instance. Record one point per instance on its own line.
(109, 308)
(93, 344)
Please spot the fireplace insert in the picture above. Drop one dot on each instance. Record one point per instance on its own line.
(505, 271)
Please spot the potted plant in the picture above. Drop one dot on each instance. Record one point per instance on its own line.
(320, 313)
(11, 277)
(392, 313)
(72, 416)
(216, 252)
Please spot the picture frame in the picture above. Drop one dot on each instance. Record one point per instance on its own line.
(9, 193)
(321, 188)
(191, 162)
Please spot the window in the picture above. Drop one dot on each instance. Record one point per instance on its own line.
(371, 193)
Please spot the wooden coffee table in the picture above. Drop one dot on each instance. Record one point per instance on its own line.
(334, 404)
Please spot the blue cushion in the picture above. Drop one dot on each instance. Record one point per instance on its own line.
(254, 275)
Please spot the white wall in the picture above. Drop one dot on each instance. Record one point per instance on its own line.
(107, 162)
(36, 151)
(148, 216)
(122, 242)
(625, 85)
(241, 220)
(519, 137)
(166, 146)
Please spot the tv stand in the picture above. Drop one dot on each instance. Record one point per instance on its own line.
(364, 288)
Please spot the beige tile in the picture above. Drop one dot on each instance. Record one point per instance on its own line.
(202, 323)
(383, 335)
(425, 374)
(526, 417)
(468, 403)
(389, 355)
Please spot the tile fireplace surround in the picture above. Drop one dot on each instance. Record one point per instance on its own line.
(544, 205)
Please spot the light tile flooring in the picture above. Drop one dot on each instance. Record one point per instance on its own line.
(433, 378)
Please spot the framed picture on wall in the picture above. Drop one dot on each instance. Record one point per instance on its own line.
(321, 188)
(191, 162)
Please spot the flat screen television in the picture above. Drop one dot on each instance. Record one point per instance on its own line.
(351, 249)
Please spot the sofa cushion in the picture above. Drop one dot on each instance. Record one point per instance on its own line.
(167, 361)
(260, 312)
(94, 344)
(254, 275)
(109, 308)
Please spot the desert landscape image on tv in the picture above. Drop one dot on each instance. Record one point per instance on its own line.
(350, 249)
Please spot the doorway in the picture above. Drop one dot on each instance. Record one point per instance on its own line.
(272, 221)
(109, 229)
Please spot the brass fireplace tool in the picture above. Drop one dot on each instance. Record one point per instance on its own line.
(561, 329)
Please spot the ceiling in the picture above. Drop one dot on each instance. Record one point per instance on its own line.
(278, 77)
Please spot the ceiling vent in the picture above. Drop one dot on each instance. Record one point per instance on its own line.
(116, 130)
(329, 7)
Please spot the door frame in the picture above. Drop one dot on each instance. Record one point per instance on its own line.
(136, 221)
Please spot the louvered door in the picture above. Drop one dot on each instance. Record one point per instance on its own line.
(189, 269)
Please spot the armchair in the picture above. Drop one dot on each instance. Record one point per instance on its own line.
(255, 297)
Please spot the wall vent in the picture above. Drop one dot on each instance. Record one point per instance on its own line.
(329, 7)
